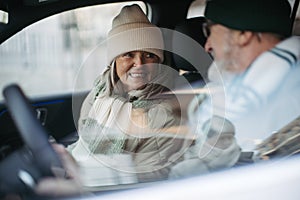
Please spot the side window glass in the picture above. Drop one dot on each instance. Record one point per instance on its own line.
(45, 57)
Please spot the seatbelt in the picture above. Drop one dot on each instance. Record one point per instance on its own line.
(294, 12)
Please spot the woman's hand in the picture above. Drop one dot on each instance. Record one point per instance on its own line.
(66, 181)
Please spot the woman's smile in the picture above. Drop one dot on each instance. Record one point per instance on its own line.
(137, 74)
(136, 68)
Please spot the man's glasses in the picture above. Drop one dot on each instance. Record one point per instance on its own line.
(206, 28)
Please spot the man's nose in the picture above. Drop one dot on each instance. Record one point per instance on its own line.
(207, 46)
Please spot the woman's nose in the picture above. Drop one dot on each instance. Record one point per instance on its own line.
(138, 60)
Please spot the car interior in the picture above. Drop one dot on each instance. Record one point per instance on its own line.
(58, 113)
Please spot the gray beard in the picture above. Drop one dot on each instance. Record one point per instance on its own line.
(219, 71)
(225, 69)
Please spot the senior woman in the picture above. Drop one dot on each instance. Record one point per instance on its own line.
(125, 113)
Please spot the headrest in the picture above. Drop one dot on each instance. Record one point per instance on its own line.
(193, 28)
(189, 38)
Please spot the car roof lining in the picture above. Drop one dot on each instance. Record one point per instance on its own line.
(22, 15)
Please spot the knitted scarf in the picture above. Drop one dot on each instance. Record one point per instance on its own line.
(109, 115)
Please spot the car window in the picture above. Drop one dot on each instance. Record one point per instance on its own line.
(66, 52)
(45, 57)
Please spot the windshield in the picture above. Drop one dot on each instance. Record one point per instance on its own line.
(134, 103)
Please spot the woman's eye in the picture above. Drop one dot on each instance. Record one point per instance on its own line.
(150, 55)
(127, 55)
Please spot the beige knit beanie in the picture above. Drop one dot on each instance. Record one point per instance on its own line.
(131, 31)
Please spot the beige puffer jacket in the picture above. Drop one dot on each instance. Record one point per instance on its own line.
(113, 122)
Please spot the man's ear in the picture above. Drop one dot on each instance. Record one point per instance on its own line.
(244, 37)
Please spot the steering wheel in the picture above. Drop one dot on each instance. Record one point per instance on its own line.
(21, 170)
